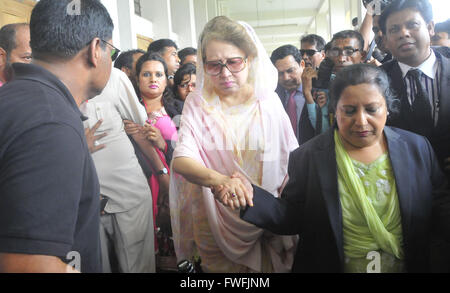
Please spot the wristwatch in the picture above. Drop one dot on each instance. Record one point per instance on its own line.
(163, 171)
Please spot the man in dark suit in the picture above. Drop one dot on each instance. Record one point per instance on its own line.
(289, 63)
(425, 106)
(420, 76)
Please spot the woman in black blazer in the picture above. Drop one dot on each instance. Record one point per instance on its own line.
(339, 229)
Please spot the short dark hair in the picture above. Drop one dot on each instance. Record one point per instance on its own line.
(284, 51)
(125, 59)
(55, 32)
(327, 47)
(168, 98)
(443, 27)
(159, 46)
(316, 40)
(349, 34)
(358, 74)
(8, 37)
(422, 6)
(182, 54)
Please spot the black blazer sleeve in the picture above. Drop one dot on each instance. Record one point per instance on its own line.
(441, 198)
(283, 215)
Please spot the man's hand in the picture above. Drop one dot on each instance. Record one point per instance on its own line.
(91, 138)
(28, 263)
(132, 128)
(308, 74)
(321, 98)
(374, 61)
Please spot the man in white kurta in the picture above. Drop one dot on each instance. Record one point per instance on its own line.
(126, 228)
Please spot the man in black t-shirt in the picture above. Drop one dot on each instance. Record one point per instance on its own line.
(49, 191)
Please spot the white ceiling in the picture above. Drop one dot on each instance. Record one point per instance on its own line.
(277, 22)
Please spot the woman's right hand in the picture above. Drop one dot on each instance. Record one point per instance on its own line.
(154, 135)
(234, 192)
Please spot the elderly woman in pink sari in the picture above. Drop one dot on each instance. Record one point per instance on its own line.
(232, 122)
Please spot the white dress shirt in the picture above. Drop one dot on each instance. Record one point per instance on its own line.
(121, 177)
(430, 82)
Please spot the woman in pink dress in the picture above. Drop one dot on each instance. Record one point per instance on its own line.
(233, 121)
(161, 130)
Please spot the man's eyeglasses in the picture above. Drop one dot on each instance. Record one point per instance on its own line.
(234, 65)
(114, 52)
(335, 52)
(309, 52)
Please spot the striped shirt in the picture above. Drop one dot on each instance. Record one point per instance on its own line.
(430, 80)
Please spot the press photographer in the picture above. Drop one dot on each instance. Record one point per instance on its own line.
(345, 49)
(374, 46)
(315, 90)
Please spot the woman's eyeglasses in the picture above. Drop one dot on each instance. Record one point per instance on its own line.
(309, 52)
(186, 85)
(234, 65)
(114, 52)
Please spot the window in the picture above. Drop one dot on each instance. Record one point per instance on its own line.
(137, 7)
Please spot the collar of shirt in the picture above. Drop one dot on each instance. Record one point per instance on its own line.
(42, 75)
(298, 90)
(428, 67)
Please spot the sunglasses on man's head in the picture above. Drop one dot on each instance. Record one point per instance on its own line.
(309, 52)
(114, 52)
(234, 65)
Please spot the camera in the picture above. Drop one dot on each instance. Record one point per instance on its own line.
(383, 3)
(186, 267)
(324, 74)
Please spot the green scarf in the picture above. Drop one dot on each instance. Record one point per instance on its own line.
(366, 228)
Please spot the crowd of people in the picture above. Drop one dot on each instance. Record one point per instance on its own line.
(317, 158)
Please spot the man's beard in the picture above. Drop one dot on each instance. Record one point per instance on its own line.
(9, 71)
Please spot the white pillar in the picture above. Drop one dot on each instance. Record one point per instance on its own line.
(337, 13)
(183, 22)
(159, 13)
(111, 6)
(323, 26)
(201, 15)
(127, 31)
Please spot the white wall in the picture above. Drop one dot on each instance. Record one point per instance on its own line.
(183, 20)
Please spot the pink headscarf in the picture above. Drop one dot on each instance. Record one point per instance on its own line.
(201, 138)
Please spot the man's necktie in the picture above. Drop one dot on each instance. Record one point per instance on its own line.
(292, 112)
(421, 105)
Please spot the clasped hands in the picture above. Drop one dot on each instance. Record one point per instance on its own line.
(148, 131)
(234, 192)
